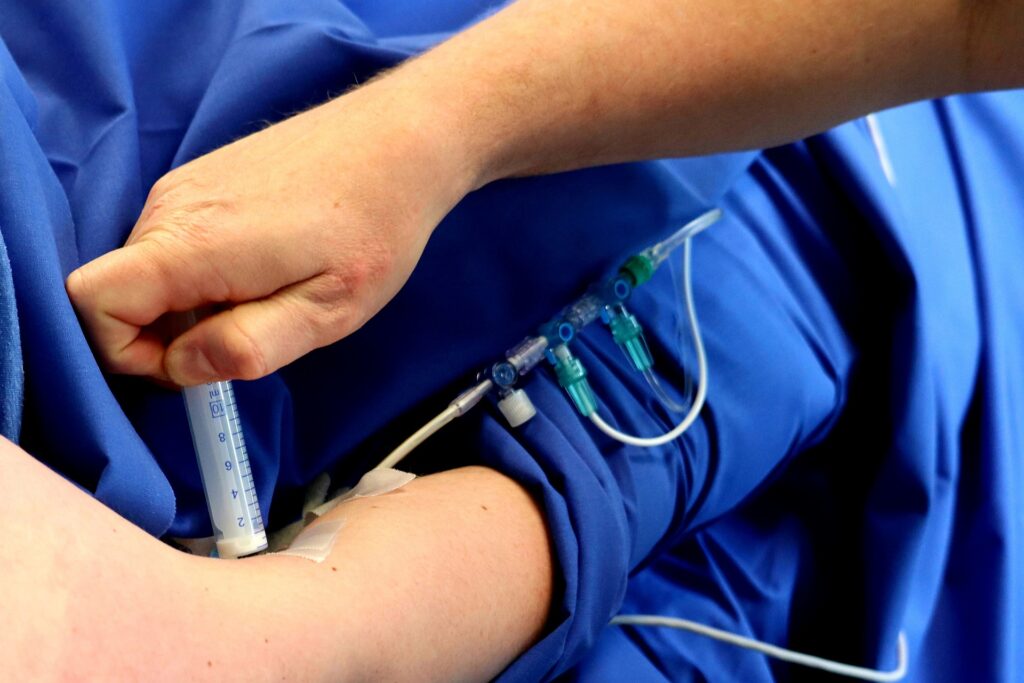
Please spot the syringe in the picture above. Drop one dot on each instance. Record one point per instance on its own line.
(224, 467)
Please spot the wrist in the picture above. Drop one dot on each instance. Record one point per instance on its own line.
(469, 101)
(426, 135)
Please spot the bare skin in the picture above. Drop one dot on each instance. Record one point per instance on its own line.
(417, 588)
(320, 241)
(293, 235)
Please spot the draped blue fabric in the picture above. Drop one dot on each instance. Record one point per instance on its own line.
(857, 469)
(12, 378)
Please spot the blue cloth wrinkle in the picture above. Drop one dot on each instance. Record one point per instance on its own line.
(862, 436)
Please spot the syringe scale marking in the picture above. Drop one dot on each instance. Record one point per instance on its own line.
(225, 469)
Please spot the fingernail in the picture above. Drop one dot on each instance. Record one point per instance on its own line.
(189, 366)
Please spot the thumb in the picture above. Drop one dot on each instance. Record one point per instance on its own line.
(122, 293)
(258, 337)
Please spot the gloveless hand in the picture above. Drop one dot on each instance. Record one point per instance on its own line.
(297, 235)
(309, 227)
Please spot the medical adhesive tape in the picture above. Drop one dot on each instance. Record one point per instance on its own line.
(373, 483)
(315, 542)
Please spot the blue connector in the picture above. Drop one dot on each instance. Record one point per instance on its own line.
(564, 327)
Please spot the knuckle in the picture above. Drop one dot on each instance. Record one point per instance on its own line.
(79, 287)
(335, 296)
(120, 348)
(332, 287)
(157, 207)
(355, 276)
(167, 183)
(243, 355)
(160, 189)
(187, 225)
(195, 227)
(184, 251)
(154, 257)
(174, 181)
(330, 327)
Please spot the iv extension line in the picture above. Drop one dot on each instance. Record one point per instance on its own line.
(791, 656)
(662, 395)
(766, 649)
(702, 375)
(469, 398)
(462, 404)
(418, 437)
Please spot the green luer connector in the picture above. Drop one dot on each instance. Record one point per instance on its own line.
(572, 377)
(628, 335)
(638, 268)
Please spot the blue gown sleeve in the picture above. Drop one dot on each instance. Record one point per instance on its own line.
(871, 326)
(779, 358)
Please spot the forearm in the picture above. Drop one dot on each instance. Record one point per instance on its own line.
(549, 85)
(447, 579)
(85, 595)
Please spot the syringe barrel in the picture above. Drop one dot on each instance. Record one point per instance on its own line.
(224, 467)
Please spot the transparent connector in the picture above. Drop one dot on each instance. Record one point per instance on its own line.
(526, 354)
(574, 317)
(661, 251)
(584, 311)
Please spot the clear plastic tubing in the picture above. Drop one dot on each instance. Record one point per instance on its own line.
(660, 251)
(224, 467)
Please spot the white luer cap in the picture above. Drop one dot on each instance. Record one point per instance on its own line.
(517, 408)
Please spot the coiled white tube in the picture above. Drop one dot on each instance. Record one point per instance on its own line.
(702, 374)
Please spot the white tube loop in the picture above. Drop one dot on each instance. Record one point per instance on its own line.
(702, 376)
(780, 653)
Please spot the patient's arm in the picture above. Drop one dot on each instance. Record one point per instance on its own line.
(446, 579)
